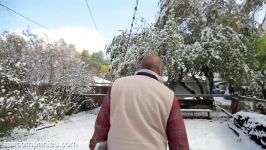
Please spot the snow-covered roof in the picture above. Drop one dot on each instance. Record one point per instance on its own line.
(219, 83)
(217, 79)
(99, 81)
(188, 78)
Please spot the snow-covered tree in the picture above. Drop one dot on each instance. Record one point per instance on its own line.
(197, 38)
(224, 36)
(126, 55)
(260, 63)
(39, 81)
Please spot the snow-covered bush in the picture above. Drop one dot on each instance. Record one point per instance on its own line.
(252, 124)
(17, 108)
(39, 81)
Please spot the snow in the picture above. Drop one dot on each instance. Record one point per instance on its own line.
(196, 110)
(222, 101)
(215, 135)
(253, 117)
(164, 78)
(253, 125)
(18, 64)
(1, 100)
(242, 136)
(11, 78)
(100, 81)
(78, 129)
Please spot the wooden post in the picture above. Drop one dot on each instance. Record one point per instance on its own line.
(234, 103)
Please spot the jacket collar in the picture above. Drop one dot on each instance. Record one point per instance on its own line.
(147, 72)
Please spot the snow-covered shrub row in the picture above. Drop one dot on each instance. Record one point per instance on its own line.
(252, 124)
(38, 81)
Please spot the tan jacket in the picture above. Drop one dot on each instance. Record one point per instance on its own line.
(140, 108)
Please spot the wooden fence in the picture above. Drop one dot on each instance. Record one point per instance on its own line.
(235, 99)
(254, 100)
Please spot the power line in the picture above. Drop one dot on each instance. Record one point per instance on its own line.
(91, 14)
(133, 19)
(130, 31)
(19, 14)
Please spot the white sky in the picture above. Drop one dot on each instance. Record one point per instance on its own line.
(82, 37)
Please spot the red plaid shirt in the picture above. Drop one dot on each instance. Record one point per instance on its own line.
(176, 132)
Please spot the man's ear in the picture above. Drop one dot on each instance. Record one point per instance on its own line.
(159, 71)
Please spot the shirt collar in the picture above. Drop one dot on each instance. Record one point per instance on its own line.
(150, 72)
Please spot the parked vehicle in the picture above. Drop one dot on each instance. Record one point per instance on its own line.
(219, 88)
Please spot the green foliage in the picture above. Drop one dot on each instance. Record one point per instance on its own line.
(85, 56)
(96, 61)
(14, 108)
(261, 52)
(244, 106)
(260, 63)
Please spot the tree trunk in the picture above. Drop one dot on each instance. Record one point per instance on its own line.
(263, 85)
(264, 93)
(199, 84)
(211, 83)
(180, 80)
(209, 75)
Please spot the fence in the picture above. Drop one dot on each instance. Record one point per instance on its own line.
(199, 95)
(235, 99)
(254, 100)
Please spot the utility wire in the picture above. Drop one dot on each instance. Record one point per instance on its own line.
(132, 23)
(19, 14)
(91, 14)
(130, 32)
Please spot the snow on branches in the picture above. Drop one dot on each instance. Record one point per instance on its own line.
(193, 38)
(38, 80)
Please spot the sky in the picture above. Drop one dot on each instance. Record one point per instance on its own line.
(71, 20)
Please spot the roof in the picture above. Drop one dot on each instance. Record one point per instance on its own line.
(101, 82)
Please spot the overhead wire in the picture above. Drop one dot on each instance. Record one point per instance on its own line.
(132, 23)
(89, 9)
(130, 33)
(23, 16)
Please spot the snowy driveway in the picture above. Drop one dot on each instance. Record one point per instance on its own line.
(77, 129)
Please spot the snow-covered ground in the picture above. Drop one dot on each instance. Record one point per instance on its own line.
(215, 135)
(222, 101)
(74, 133)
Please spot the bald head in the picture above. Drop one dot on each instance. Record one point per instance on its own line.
(152, 62)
